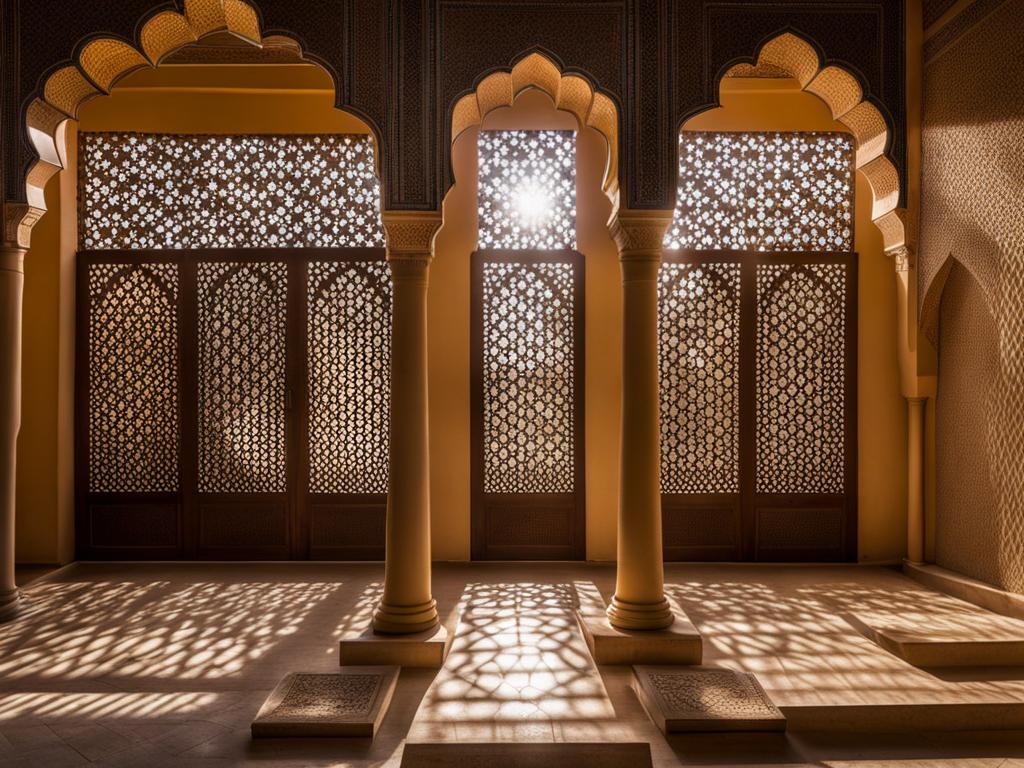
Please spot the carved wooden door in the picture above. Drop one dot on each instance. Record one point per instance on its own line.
(233, 404)
(527, 405)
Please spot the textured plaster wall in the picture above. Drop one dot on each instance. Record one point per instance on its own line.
(973, 179)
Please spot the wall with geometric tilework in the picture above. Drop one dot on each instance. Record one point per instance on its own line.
(972, 185)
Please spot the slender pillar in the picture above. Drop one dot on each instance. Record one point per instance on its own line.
(639, 601)
(915, 478)
(12, 280)
(408, 605)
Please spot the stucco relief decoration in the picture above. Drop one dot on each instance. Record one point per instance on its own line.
(527, 193)
(175, 191)
(764, 192)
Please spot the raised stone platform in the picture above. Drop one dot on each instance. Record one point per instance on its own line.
(519, 688)
(705, 699)
(351, 702)
(423, 650)
(679, 643)
(974, 639)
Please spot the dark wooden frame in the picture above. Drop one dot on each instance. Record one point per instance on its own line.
(747, 506)
(483, 504)
(297, 502)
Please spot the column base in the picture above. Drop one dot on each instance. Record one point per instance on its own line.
(405, 619)
(626, 615)
(11, 605)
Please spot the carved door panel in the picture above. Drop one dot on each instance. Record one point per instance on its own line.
(233, 404)
(527, 405)
(758, 406)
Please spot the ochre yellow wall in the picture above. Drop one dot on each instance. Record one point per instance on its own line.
(300, 100)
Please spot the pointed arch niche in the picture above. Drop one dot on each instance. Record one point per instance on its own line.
(236, 81)
(786, 89)
(532, 94)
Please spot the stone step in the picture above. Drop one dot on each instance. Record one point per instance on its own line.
(705, 699)
(932, 639)
(519, 688)
(351, 702)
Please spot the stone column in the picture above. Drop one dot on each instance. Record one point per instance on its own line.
(915, 478)
(408, 605)
(12, 280)
(639, 601)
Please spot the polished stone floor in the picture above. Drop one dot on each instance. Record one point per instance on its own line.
(166, 665)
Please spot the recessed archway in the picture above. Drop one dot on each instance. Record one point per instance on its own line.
(789, 55)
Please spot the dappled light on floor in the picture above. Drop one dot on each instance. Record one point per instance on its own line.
(793, 629)
(518, 668)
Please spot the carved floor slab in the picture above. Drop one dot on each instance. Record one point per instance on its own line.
(694, 699)
(351, 702)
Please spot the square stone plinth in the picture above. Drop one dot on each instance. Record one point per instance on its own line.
(680, 643)
(971, 638)
(424, 649)
(705, 699)
(351, 702)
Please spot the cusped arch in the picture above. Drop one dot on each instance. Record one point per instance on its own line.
(570, 92)
(789, 55)
(100, 63)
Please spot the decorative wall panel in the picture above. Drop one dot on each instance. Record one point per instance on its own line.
(242, 387)
(133, 422)
(528, 371)
(699, 351)
(174, 191)
(764, 192)
(527, 189)
(801, 378)
(349, 338)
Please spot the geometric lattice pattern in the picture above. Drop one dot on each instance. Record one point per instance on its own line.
(175, 191)
(699, 348)
(527, 190)
(529, 377)
(133, 378)
(242, 385)
(801, 378)
(349, 342)
(764, 192)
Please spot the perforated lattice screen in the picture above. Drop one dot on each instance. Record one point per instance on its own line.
(699, 348)
(527, 191)
(133, 378)
(349, 316)
(242, 387)
(142, 191)
(528, 377)
(801, 378)
(764, 192)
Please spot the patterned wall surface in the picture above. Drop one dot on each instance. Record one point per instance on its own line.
(170, 191)
(764, 192)
(699, 351)
(133, 378)
(528, 378)
(242, 387)
(973, 181)
(527, 193)
(349, 338)
(801, 370)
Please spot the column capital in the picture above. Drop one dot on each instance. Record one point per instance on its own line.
(410, 235)
(902, 258)
(19, 219)
(639, 234)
